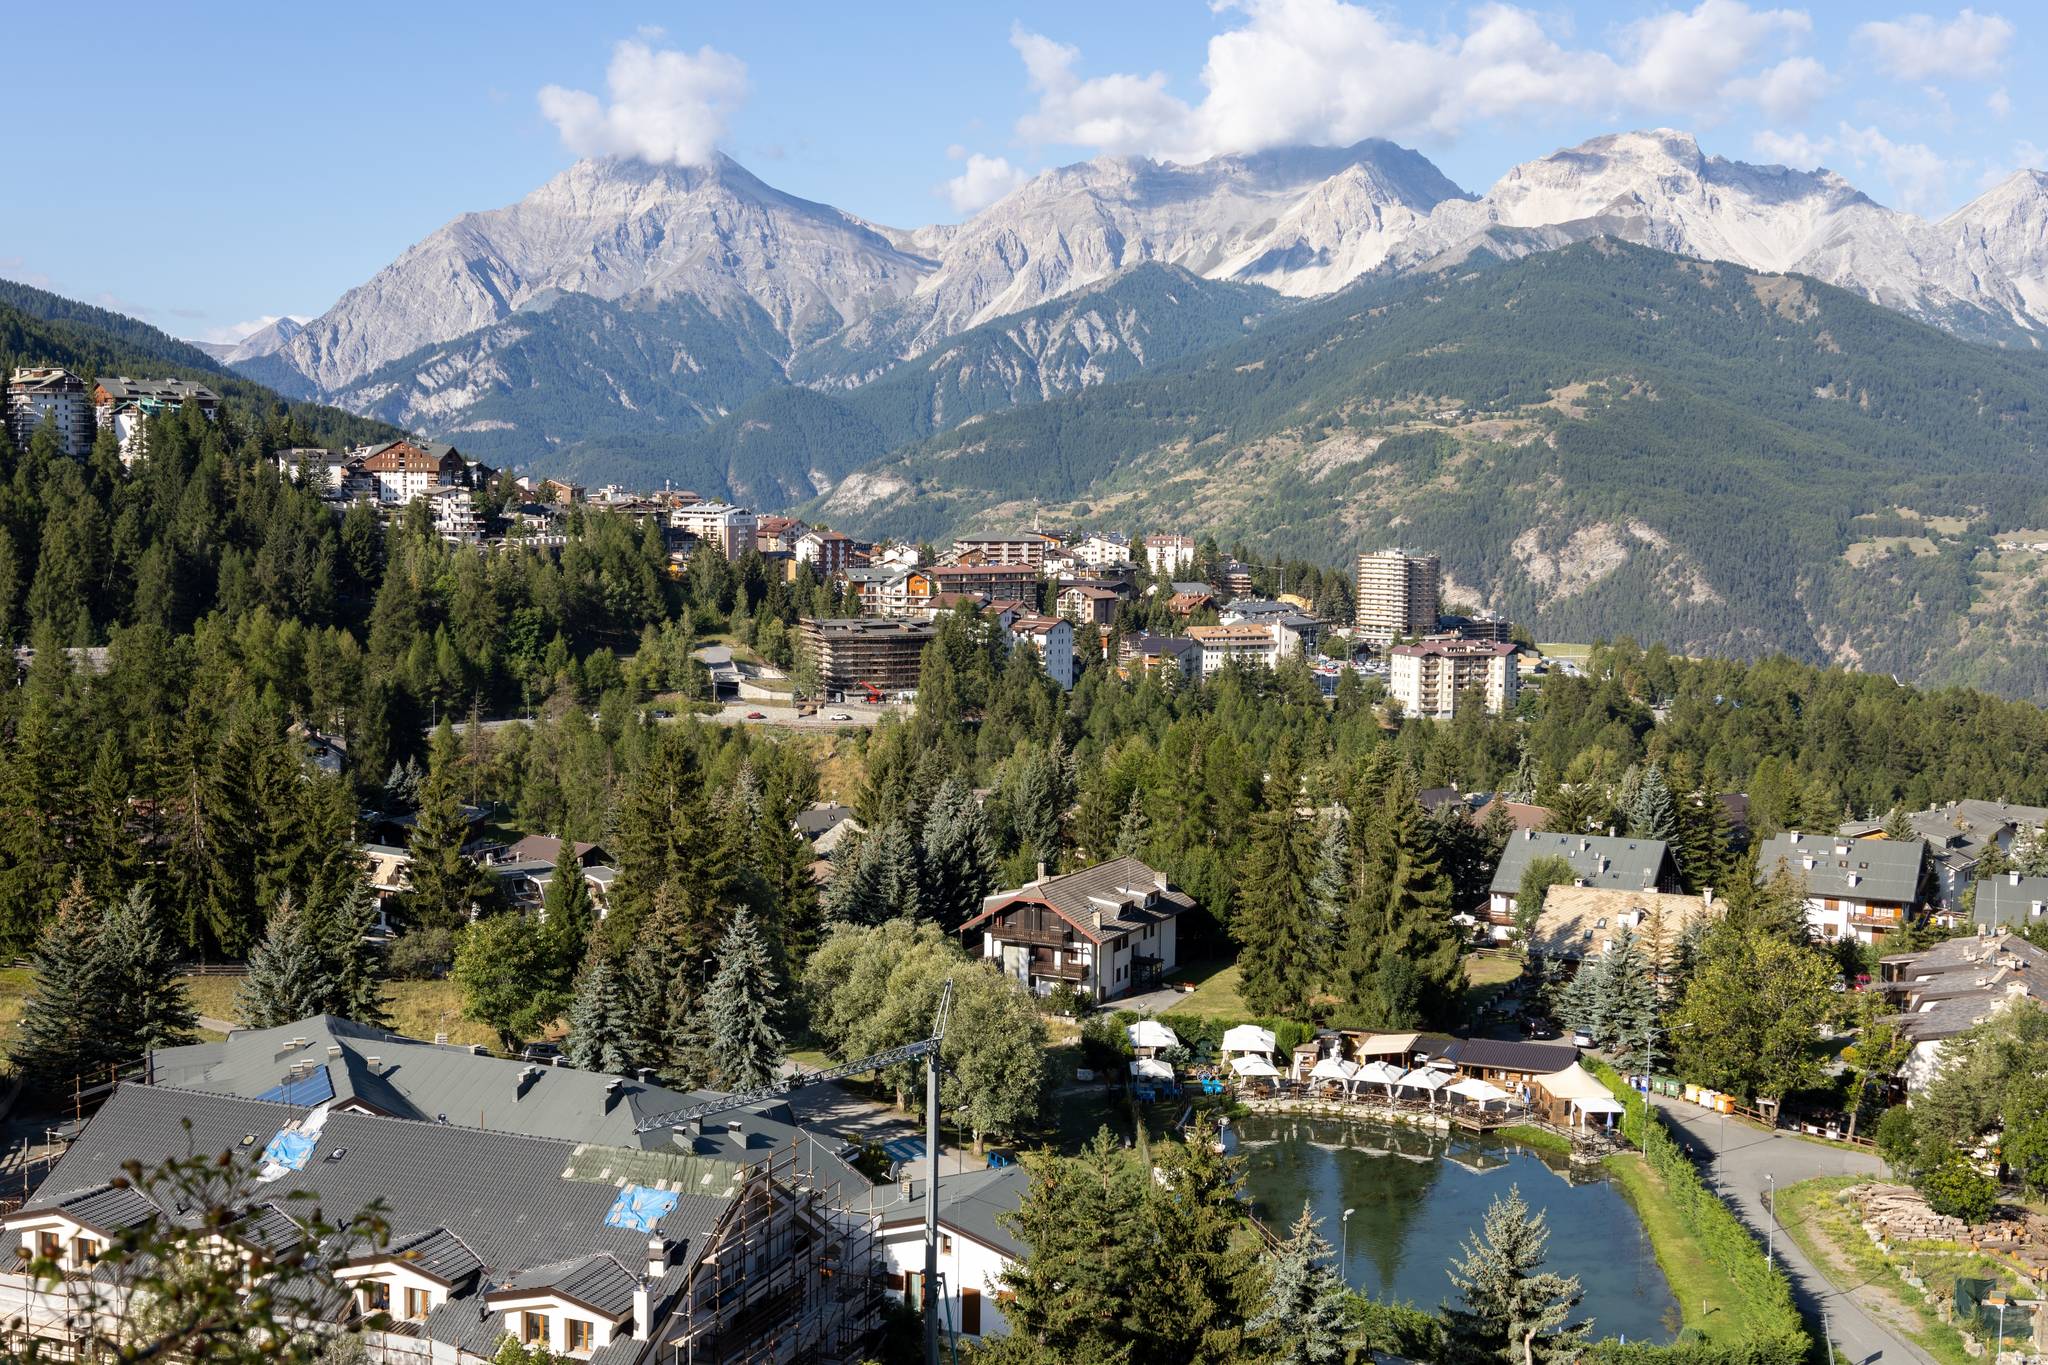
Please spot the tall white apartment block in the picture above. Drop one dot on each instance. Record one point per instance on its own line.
(1399, 594)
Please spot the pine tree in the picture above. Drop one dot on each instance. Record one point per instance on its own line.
(152, 1006)
(289, 974)
(899, 879)
(567, 913)
(1404, 963)
(1304, 1319)
(1082, 1217)
(601, 1019)
(1206, 1273)
(1898, 827)
(1329, 892)
(1134, 828)
(740, 1007)
(1526, 780)
(1278, 920)
(958, 858)
(443, 885)
(63, 1031)
(1515, 1311)
(355, 964)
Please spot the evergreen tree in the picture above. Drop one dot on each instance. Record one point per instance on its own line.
(152, 1007)
(958, 859)
(899, 880)
(443, 885)
(1304, 1319)
(1081, 1216)
(1278, 920)
(355, 964)
(2029, 852)
(1526, 780)
(1206, 1272)
(567, 914)
(1651, 813)
(1134, 828)
(663, 975)
(740, 1008)
(1329, 892)
(1404, 964)
(63, 1031)
(289, 973)
(601, 1019)
(1897, 827)
(1514, 1311)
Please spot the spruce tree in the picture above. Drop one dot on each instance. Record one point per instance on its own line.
(63, 1033)
(662, 977)
(1897, 827)
(442, 884)
(567, 913)
(1514, 1311)
(1134, 828)
(899, 879)
(1304, 1319)
(289, 976)
(1651, 813)
(1404, 962)
(1082, 1217)
(740, 1008)
(601, 1019)
(153, 1008)
(355, 964)
(1205, 1272)
(1330, 892)
(1277, 917)
(958, 858)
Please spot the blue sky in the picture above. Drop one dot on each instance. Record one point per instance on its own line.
(248, 160)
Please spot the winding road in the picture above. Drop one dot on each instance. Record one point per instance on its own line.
(1743, 1160)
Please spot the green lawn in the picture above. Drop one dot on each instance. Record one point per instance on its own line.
(1708, 1301)
(418, 1009)
(1491, 969)
(1215, 997)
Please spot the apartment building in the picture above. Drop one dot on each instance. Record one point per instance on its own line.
(40, 393)
(1169, 554)
(1020, 547)
(1053, 638)
(1430, 678)
(457, 518)
(405, 469)
(1101, 550)
(125, 406)
(1601, 862)
(730, 528)
(829, 551)
(1224, 646)
(1106, 930)
(854, 654)
(1860, 889)
(996, 582)
(1399, 595)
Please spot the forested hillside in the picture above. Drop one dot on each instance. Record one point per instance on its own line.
(1600, 440)
(41, 328)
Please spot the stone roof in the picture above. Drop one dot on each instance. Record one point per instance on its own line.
(1100, 902)
(1579, 921)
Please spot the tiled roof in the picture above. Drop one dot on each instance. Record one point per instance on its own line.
(436, 1252)
(1623, 864)
(2011, 900)
(1851, 869)
(971, 1203)
(600, 1283)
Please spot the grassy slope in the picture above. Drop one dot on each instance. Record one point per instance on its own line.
(1708, 1301)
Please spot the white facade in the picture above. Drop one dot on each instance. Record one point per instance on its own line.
(1102, 551)
(970, 1273)
(1169, 554)
(1399, 594)
(456, 518)
(1428, 679)
(1053, 638)
(58, 396)
(728, 527)
(1223, 646)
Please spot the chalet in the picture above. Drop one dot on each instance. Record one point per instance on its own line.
(1958, 834)
(1596, 861)
(1167, 654)
(1860, 889)
(1951, 987)
(406, 469)
(2010, 901)
(1106, 930)
(976, 1245)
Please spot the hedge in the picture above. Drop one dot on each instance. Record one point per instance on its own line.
(1725, 1242)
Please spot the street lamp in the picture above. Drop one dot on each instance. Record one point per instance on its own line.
(1771, 1241)
(1344, 1261)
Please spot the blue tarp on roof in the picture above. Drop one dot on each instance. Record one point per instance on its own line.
(315, 1087)
(639, 1208)
(290, 1150)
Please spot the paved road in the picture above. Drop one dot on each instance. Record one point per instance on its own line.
(1742, 1157)
(736, 712)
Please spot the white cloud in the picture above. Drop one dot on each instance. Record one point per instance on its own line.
(1796, 150)
(1917, 173)
(985, 180)
(1333, 72)
(1999, 103)
(1786, 91)
(666, 107)
(1920, 47)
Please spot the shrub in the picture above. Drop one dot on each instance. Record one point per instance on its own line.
(1104, 1044)
(1064, 1000)
(421, 955)
(1898, 1140)
(1289, 1034)
(1958, 1189)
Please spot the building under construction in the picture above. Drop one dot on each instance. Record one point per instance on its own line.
(854, 654)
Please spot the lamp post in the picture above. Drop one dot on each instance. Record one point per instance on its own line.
(1771, 1241)
(1344, 1261)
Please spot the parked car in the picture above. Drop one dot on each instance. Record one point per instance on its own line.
(841, 715)
(544, 1053)
(756, 715)
(1580, 1038)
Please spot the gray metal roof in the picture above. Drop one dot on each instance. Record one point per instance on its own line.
(1850, 869)
(436, 1252)
(971, 1203)
(2011, 900)
(406, 1078)
(1596, 860)
(601, 1283)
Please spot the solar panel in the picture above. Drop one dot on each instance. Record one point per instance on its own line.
(314, 1087)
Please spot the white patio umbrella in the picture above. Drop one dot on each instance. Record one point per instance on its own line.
(1249, 1038)
(1255, 1068)
(1479, 1092)
(1150, 1033)
(1333, 1069)
(1425, 1078)
(1378, 1073)
(1151, 1069)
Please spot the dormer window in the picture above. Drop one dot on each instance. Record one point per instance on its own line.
(376, 1296)
(533, 1328)
(418, 1303)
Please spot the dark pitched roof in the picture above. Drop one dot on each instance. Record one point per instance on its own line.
(1628, 864)
(2011, 900)
(436, 1253)
(971, 1203)
(1853, 869)
(1509, 1055)
(600, 1283)
(1107, 899)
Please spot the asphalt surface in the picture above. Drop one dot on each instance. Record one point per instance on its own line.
(1742, 1159)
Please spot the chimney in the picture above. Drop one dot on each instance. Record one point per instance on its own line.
(643, 1311)
(1707, 897)
(374, 1062)
(2013, 877)
(334, 1049)
(1806, 862)
(657, 1257)
(1795, 835)
(1041, 870)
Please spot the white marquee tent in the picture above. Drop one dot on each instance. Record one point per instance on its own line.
(1249, 1038)
(1151, 1069)
(1149, 1035)
(1480, 1092)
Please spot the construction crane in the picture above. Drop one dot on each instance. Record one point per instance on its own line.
(928, 1049)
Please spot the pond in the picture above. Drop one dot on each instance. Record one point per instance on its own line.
(1419, 1193)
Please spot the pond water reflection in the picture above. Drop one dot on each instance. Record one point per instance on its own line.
(1418, 1193)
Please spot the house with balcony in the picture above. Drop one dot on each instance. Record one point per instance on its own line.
(1106, 930)
(1859, 889)
(1603, 862)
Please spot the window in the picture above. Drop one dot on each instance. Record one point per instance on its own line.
(49, 1246)
(376, 1296)
(581, 1334)
(86, 1250)
(533, 1327)
(945, 1245)
(417, 1303)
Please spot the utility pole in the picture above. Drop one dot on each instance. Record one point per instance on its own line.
(1771, 1240)
(1828, 1333)
(931, 1194)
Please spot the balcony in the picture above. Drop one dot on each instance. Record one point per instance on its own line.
(1037, 938)
(1065, 971)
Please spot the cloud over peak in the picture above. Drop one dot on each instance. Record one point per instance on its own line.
(665, 106)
